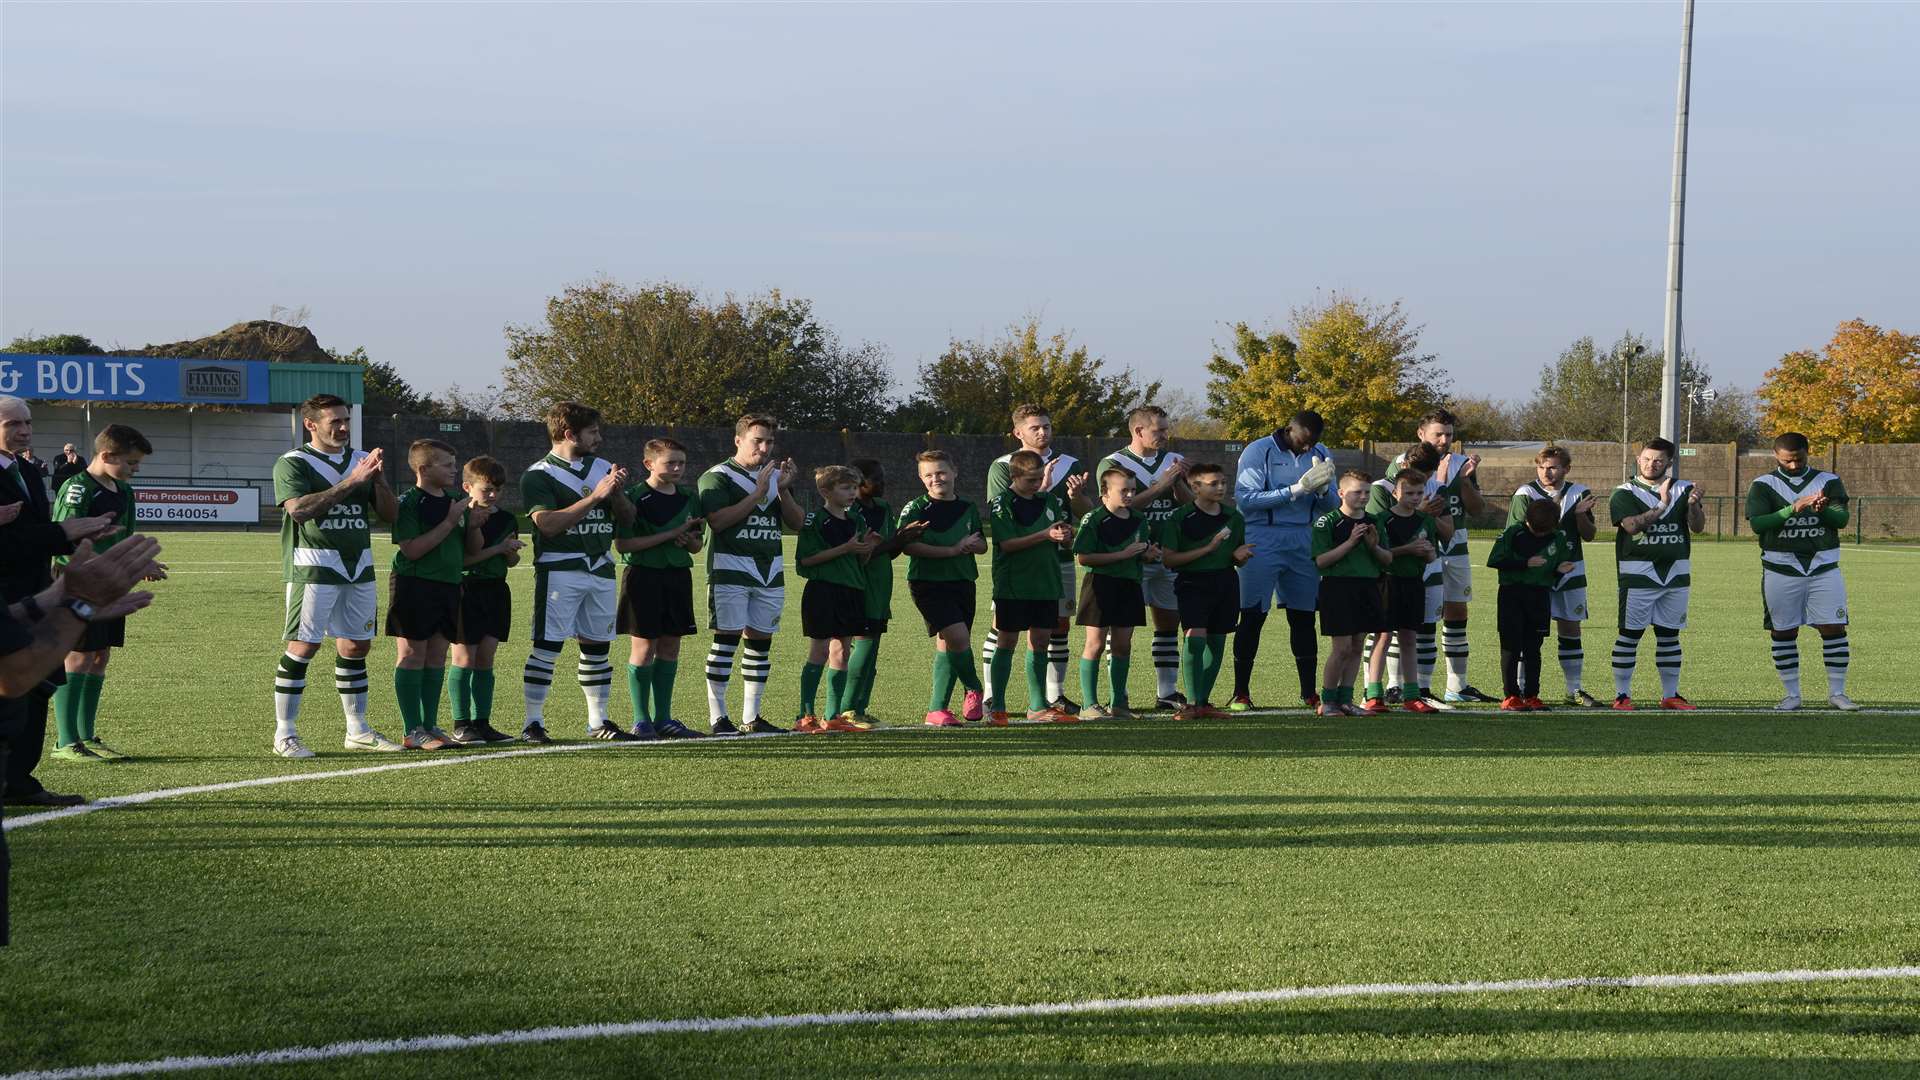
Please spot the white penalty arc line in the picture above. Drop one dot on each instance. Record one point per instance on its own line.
(711, 1025)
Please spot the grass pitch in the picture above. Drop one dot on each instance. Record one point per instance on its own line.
(922, 868)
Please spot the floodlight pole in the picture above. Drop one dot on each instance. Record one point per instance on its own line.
(1676, 228)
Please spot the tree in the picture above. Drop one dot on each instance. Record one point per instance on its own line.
(54, 345)
(1354, 362)
(1484, 420)
(386, 391)
(1579, 396)
(971, 388)
(663, 354)
(458, 403)
(1188, 417)
(1864, 387)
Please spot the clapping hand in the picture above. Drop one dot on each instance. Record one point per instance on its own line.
(1060, 532)
(9, 512)
(1565, 568)
(610, 484)
(78, 529)
(1536, 562)
(1434, 506)
(1075, 483)
(974, 544)
(1241, 554)
(908, 533)
(367, 468)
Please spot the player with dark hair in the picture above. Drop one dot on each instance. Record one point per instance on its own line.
(1797, 512)
(1282, 484)
(1654, 516)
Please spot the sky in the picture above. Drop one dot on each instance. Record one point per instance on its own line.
(418, 176)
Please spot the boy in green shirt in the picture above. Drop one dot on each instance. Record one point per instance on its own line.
(1414, 537)
(656, 604)
(486, 602)
(103, 488)
(423, 605)
(1111, 542)
(1346, 548)
(878, 516)
(831, 555)
(941, 571)
(1204, 543)
(1530, 556)
(1029, 526)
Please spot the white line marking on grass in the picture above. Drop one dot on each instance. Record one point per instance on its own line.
(710, 1025)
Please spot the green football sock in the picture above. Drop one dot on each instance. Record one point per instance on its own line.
(1216, 655)
(836, 691)
(460, 683)
(1196, 650)
(1001, 672)
(1090, 680)
(406, 690)
(860, 674)
(90, 704)
(1329, 695)
(1409, 691)
(810, 686)
(1036, 679)
(66, 710)
(640, 691)
(1376, 690)
(483, 694)
(1117, 666)
(432, 680)
(968, 672)
(663, 673)
(942, 681)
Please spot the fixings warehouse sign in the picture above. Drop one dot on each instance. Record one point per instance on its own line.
(133, 378)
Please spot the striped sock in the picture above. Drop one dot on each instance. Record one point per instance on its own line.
(1626, 653)
(537, 678)
(1837, 653)
(1786, 661)
(1572, 658)
(754, 666)
(1057, 665)
(1427, 644)
(1453, 642)
(719, 673)
(988, 651)
(595, 673)
(350, 678)
(289, 684)
(1666, 657)
(1391, 674)
(1166, 661)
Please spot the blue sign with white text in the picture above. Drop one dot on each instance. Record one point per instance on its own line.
(134, 378)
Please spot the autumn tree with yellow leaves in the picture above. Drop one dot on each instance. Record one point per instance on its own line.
(1864, 387)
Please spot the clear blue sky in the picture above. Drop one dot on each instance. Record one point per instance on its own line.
(420, 175)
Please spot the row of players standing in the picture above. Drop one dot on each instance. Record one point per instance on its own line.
(449, 581)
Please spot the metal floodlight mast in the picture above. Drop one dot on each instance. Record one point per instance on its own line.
(1676, 228)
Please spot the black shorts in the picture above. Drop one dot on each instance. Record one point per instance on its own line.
(1350, 605)
(1406, 603)
(1014, 616)
(418, 609)
(875, 627)
(830, 610)
(1209, 600)
(102, 634)
(486, 611)
(1106, 600)
(1526, 611)
(943, 603)
(656, 602)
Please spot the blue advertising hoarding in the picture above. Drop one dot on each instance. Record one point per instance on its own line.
(134, 378)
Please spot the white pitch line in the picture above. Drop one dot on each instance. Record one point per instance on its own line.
(712, 1025)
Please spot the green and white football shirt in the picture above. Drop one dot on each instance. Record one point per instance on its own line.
(554, 483)
(1568, 497)
(1450, 491)
(335, 548)
(1658, 557)
(1146, 471)
(83, 495)
(749, 553)
(1806, 543)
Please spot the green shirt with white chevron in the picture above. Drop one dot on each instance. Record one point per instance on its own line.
(748, 553)
(335, 548)
(554, 483)
(1806, 543)
(1566, 498)
(1659, 556)
(1145, 471)
(1449, 491)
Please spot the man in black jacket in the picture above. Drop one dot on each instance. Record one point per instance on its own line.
(68, 464)
(29, 539)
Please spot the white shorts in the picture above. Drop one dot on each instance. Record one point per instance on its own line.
(1457, 572)
(1570, 605)
(734, 608)
(1654, 607)
(1436, 600)
(1795, 601)
(330, 611)
(573, 604)
(1156, 587)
